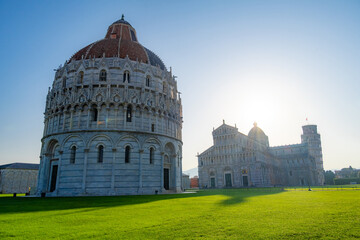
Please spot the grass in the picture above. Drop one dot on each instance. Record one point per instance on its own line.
(326, 188)
(10, 195)
(210, 214)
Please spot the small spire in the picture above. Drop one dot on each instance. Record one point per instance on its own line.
(122, 17)
(223, 121)
(255, 124)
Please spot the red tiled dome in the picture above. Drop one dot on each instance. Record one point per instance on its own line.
(120, 41)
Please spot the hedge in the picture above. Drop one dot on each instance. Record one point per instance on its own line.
(343, 181)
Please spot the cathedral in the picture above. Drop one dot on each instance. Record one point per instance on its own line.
(239, 160)
(113, 122)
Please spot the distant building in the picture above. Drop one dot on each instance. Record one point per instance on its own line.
(347, 173)
(194, 182)
(185, 181)
(192, 172)
(237, 160)
(18, 177)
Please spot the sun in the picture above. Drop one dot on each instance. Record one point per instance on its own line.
(262, 105)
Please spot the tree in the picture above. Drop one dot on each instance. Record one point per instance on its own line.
(329, 177)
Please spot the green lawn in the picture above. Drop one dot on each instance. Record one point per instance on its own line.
(327, 187)
(10, 195)
(210, 214)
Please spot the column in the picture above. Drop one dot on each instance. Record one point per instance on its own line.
(71, 118)
(40, 182)
(58, 122)
(50, 125)
(98, 117)
(45, 173)
(45, 126)
(133, 118)
(151, 118)
(86, 150)
(58, 173)
(162, 173)
(140, 170)
(160, 123)
(166, 125)
(115, 120)
(175, 165)
(79, 118)
(113, 171)
(181, 186)
(142, 119)
(64, 117)
(107, 117)
(156, 122)
(88, 118)
(124, 117)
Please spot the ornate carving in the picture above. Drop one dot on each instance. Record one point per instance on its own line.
(111, 93)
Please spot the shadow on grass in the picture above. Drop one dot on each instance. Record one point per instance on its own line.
(11, 205)
(239, 195)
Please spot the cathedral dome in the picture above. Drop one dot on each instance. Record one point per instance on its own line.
(120, 41)
(258, 135)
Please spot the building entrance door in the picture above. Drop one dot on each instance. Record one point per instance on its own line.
(245, 181)
(302, 182)
(228, 180)
(166, 178)
(212, 182)
(53, 177)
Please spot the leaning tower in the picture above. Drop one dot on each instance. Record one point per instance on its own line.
(113, 122)
(312, 139)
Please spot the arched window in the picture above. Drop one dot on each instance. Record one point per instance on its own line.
(133, 36)
(81, 77)
(102, 76)
(151, 155)
(126, 76)
(73, 154)
(153, 127)
(129, 113)
(64, 82)
(100, 154)
(127, 154)
(94, 113)
(148, 81)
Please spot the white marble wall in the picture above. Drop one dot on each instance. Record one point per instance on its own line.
(156, 122)
(17, 180)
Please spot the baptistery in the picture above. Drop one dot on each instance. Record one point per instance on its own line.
(113, 121)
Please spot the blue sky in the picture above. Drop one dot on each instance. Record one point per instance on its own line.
(273, 62)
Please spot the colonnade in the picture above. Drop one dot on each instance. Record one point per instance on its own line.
(109, 118)
(47, 160)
